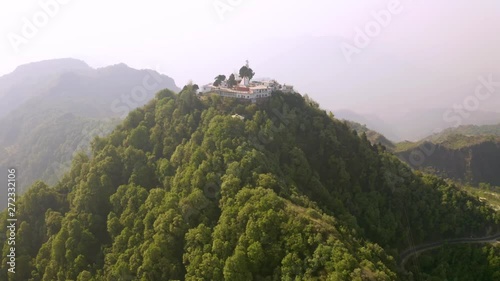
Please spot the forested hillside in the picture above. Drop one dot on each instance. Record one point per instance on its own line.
(462, 262)
(56, 107)
(469, 154)
(470, 159)
(182, 190)
(468, 130)
(451, 155)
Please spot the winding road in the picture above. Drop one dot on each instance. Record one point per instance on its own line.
(404, 256)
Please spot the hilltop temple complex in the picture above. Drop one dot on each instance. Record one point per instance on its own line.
(242, 87)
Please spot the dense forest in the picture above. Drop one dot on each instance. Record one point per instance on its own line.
(43, 143)
(184, 189)
(461, 262)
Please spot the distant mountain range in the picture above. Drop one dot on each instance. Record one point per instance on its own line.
(34, 79)
(371, 121)
(51, 109)
(468, 159)
(468, 130)
(468, 154)
(416, 125)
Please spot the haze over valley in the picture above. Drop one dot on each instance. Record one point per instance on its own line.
(418, 66)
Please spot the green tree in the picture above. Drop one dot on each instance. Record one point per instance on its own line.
(231, 82)
(219, 79)
(246, 71)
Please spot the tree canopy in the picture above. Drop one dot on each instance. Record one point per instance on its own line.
(181, 190)
(246, 71)
(231, 82)
(219, 79)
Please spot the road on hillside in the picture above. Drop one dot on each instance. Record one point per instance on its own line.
(404, 256)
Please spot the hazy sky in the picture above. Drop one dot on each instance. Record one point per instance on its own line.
(427, 54)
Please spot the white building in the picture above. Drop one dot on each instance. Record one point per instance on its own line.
(246, 89)
(249, 93)
(207, 88)
(287, 89)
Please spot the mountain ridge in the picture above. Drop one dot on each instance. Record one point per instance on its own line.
(63, 110)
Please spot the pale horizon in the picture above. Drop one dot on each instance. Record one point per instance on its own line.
(423, 58)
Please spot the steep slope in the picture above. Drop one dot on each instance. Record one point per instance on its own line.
(58, 106)
(183, 191)
(472, 159)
